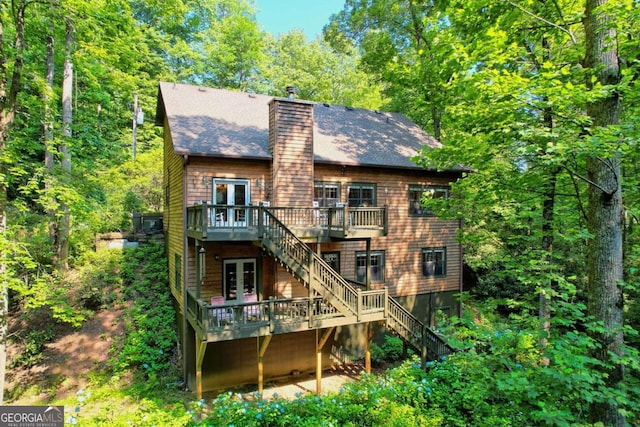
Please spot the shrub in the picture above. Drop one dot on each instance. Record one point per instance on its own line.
(33, 346)
(391, 350)
(150, 338)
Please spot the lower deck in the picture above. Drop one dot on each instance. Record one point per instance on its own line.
(216, 320)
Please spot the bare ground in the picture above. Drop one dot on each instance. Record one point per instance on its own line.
(66, 362)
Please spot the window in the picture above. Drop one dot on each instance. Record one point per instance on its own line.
(419, 197)
(178, 271)
(362, 195)
(434, 262)
(327, 194)
(377, 266)
(333, 259)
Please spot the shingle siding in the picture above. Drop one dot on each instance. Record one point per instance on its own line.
(292, 149)
(173, 214)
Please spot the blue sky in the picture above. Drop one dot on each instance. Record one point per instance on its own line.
(281, 16)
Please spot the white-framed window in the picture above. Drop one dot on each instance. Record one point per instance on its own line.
(419, 196)
(434, 262)
(327, 194)
(230, 197)
(377, 266)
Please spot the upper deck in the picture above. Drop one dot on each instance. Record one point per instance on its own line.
(209, 222)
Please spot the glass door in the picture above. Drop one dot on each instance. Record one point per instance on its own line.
(239, 277)
(233, 193)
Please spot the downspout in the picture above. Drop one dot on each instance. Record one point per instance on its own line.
(184, 268)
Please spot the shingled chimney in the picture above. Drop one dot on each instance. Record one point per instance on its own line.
(291, 145)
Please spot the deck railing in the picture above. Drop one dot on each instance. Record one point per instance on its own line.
(286, 246)
(205, 217)
(351, 300)
(419, 335)
(273, 312)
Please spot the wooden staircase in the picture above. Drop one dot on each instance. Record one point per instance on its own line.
(310, 269)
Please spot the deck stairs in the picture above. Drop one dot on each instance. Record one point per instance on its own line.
(311, 270)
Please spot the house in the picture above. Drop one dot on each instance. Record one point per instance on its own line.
(295, 230)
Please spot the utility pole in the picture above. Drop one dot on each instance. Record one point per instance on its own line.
(138, 119)
(135, 127)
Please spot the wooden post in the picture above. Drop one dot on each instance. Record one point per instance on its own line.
(367, 350)
(369, 334)
(321, 341)
(367, 278)
(262, 349)
(318, 371)
(424, 347)
(201, 347)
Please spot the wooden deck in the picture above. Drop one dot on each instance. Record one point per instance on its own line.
(210, 222)
(278, 316)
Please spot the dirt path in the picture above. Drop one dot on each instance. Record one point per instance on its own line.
(66, 361)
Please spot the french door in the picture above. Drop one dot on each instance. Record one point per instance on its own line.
(239, 276)
(234, 194)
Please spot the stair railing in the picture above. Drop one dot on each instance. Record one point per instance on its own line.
(399, 319)
(330, 282)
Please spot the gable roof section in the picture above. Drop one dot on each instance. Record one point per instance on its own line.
(221, 123)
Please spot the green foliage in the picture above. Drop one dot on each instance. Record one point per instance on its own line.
(391, 350)
(318, 72)
(32, 348)
(149, 340)
(108, 404)
(499, 379)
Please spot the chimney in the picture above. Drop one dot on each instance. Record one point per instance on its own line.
(291, 92)
(291, 144)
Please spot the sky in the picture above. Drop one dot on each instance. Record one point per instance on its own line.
(281, 16)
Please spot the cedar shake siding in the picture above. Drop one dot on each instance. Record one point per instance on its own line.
(291, 144)
(174, 216)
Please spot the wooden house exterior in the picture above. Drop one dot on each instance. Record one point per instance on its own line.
(294, 230)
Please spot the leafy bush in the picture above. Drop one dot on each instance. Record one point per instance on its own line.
(33, 347)
(391, 350)
(500, 379)
(150, 337)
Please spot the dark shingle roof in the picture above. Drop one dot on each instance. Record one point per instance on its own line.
(215, 122)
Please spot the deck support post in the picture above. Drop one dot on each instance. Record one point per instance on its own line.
(320, 342)
(262, 349)
(367, 278)
(201, 347)
(367, 349)
(369, 334)
(424, 347)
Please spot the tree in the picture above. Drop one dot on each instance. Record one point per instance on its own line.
(318, 72)
(605, 202)
(64, 228)
(8, 105)
(408, 47)
(518, 111)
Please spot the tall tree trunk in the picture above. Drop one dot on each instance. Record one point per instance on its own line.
(548, 213)
(67, 116)
(8, 103)
(47, 131)
(605, 209)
